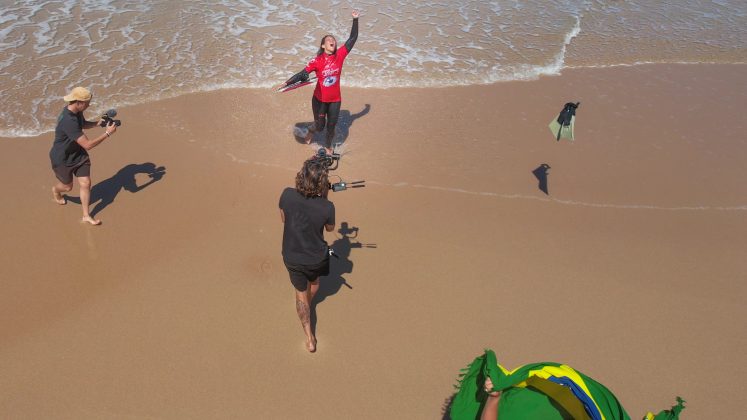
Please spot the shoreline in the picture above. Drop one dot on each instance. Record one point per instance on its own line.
(179, 305)
(266, 89)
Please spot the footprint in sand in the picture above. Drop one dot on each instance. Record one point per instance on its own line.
(262, 269)
(265, 267)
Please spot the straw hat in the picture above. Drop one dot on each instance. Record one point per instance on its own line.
(78, 94)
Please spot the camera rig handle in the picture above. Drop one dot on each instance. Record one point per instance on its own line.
(334, 161)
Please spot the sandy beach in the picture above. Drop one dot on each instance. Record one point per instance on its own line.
(631, 268)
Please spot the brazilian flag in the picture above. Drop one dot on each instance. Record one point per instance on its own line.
(543, 391)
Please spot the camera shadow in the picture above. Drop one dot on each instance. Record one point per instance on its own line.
(338, 267)
(107, 190)
(541, 173)
(342, 132)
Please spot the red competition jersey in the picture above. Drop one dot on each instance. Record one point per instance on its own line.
(328, 70)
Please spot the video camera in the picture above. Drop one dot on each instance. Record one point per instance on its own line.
(331, 161)
(108, 118)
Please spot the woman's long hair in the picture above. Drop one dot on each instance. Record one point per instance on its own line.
(312, 180)
(321, 45)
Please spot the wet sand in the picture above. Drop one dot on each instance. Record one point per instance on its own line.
(631, 269)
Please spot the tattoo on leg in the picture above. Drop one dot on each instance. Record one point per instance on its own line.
(303, 313)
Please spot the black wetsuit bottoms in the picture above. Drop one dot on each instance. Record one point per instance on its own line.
(325, 113)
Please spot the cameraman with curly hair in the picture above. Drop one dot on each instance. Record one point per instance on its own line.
(306, 212)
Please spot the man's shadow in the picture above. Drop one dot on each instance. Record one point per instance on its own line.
(339, 265)
(541, 173)
(342, 131)
(106, 191)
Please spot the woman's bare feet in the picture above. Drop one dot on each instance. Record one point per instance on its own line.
(309, 136)
(311, 344)
(91, 220)
(58, 197)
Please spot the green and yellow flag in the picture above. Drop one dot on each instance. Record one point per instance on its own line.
(543, 391)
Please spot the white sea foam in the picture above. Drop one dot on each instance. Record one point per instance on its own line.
(127, 49)
(559, 61)
(648, 63)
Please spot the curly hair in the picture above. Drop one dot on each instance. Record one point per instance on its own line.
(312, 180)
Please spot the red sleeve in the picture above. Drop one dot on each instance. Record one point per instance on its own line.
(311, 66)
(342, 52)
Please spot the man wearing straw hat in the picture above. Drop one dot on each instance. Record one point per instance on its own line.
(69, 154)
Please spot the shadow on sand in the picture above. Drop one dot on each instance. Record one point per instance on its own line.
(106, 191)
(338, 266)
(446, 407)
(541, 173)
(344, 121)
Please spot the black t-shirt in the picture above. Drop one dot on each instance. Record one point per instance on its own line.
(65, 149)
(303, 233)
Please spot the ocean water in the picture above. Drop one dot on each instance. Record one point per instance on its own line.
(131, 52)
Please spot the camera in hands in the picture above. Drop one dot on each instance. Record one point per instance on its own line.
(107, 118)
(331, 161)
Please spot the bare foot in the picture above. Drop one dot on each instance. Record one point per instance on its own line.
(58, 198)
(311, 344)
(309, 136)
(91, 220)
(329, 151)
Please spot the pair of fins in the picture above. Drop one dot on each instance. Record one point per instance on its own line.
(296, 85)
(562, 127)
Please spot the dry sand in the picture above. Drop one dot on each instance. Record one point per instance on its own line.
(631, 270)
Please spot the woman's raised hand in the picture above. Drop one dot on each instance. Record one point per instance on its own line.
(355, 14)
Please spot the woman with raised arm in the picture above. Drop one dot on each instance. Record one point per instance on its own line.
(328, 67)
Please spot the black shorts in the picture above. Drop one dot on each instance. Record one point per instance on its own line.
(65, 173)
(302, 274)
